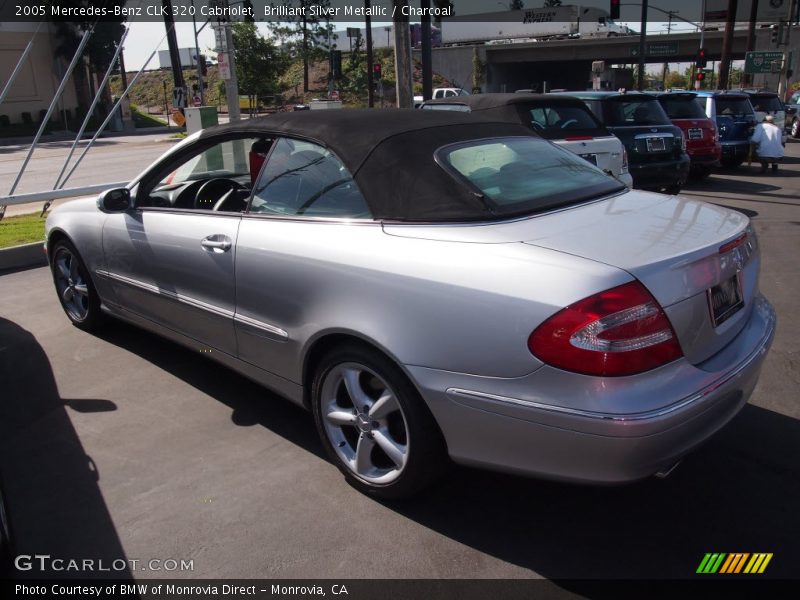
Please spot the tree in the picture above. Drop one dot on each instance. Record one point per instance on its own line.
(551, 3)
(516, 5)
(306, 35)
(258, 62)
(676, 80)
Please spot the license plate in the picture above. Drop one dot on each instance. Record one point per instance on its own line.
(592, 158)
(695, 134)
(725, 299)
(656, 144)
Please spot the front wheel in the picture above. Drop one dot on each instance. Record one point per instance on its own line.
(75, 289)
(374, 425)
(796, 128)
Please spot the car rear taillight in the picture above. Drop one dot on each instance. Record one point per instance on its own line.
(621, 331)
(624, 160)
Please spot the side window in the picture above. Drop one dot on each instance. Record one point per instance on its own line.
(304, 179)
(217, 177)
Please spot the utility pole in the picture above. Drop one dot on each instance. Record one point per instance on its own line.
(727, 42)
(402, 57)
(747, 78)
(200, 85)
(642, 46)
(666, 64)
(427, 55)
(174, 55)
(370, 74)
(224, 41)
(783, 81)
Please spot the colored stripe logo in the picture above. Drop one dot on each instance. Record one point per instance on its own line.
(734, 563)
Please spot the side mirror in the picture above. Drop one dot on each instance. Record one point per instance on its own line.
(116, 200)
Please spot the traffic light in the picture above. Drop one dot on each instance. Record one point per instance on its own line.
(775, 34)
(702, 61)
(377, 70)
(613, 9)
(336, 64)
(701, 76)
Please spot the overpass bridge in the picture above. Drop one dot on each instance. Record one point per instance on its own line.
(567, 63)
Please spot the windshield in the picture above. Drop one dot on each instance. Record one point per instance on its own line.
(734, 107)
(559, 122)
(766, 103)
(682, 107)
(627, 110)
(525, 175)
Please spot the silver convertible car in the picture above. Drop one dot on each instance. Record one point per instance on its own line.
(431, 285)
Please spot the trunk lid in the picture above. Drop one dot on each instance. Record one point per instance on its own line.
(669, 243)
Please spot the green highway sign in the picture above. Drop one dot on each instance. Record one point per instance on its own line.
(658, 49)
(763, 62)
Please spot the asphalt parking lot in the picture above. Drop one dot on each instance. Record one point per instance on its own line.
(126, 446)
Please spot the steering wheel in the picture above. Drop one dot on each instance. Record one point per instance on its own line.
(536, 126)
(215, 192)
(568, 122)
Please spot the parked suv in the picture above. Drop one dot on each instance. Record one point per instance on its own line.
(702, 140)
(657, 157)
(733, 113)
(769, 103)
(564, 121)
(792, 116)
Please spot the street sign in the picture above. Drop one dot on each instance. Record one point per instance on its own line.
(179, 98)
(178, 117)
(334, 95)
(220, 39)
(223, 66)
(197, 101)
(657, 49)
(763, 62)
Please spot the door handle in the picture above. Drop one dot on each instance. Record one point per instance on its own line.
(216, 243)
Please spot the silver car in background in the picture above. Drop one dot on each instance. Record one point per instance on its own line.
(431, 285)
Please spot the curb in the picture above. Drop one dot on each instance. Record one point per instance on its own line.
(26, 256)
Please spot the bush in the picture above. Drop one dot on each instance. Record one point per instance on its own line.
(42, 115)
(4, 121)
(27, 118)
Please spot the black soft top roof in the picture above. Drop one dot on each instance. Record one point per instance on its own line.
(390, 152)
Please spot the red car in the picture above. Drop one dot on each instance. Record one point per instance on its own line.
(702, 139)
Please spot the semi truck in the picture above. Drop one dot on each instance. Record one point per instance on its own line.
(530, 25)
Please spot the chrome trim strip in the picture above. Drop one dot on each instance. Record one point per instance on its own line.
(153, 289)
(271, 329)
(761, 349)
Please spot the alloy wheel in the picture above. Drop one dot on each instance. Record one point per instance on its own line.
(71, 284)
(364, 423)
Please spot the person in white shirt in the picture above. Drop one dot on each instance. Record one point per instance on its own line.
(767, 143)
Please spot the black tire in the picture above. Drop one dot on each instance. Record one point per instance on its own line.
(74, 287)
(411, 422)
(700, 173)
(672, 190)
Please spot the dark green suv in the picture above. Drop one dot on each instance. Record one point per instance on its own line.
(657, 158)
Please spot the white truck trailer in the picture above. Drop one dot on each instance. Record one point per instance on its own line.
(530, 24)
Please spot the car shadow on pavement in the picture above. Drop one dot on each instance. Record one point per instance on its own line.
(738, 493)
(251, 403)
(734, 186)
(54, 503)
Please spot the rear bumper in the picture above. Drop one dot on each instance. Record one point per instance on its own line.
(512, 425)
(655, 175)
(735, 150)
(705, 157)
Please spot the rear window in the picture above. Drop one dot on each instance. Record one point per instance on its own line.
(733, 107)
(766, 103)
(681, 107)
(526, 174)
(628, 110)
(559, 122)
